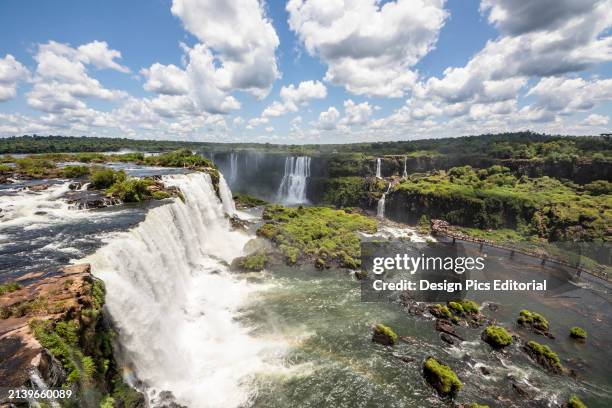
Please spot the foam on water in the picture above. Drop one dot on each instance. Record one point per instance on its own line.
(175, 304)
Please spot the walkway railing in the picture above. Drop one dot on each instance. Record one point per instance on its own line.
(442, 228)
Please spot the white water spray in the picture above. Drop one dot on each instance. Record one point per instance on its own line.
(405, 173)
(174, 303)
(380, 208)
(292, 189)
(233, 167)
(378, 170)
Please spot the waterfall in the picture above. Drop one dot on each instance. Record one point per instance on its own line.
(174, 303)
(380, 208)
(378, 171)
(405, 173)
(292, 189)
(233, 167)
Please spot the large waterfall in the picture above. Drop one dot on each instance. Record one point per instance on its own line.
(405, 172)
(174, 303)
(378, 170)
(292, 189)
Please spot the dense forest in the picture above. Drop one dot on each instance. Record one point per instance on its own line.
(518, 145)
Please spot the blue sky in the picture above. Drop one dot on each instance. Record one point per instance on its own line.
(304, 71)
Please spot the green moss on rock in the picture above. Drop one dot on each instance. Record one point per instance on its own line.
(532, 319)
(441, 311)
(384, 335)
(497, 337)
(252, 263)
(578, 333)
(248, 201)
(441, 377)
(456, 307)
(544, 356)
(575, 402)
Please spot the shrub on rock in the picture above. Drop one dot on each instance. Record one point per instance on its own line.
(497, 337)
(544, 356)
(384, 335)
(533, 319)
(578, 333)
(441, 377)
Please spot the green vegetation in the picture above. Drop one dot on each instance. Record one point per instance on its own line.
(456, 307)
(319, 234)
(424, 225)
(103, 178)
(345, 191)
(542, 208)
(441, 311)
(384, 335)
(575, 402)
(533, 319)
(497, 337)
(522, 145)
(544, 355)
(133, 190)
(9, 287)
(469, 306)
(248, 201)
(75, 171)
(254, 262)
(178, 158)
(578, 333)
(475, 405)
(441, 377)
(82, 343)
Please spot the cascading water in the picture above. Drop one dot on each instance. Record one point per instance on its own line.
(233, 167)
(378, 170)
(292, 189)
(174, 303)
(405, 173)
(380, 208)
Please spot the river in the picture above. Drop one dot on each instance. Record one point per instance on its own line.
(288, 336)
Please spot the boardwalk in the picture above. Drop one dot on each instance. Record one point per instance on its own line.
(442, 228)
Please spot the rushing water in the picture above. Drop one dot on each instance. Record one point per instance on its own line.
(292, 189)
(174, 303)
(380, 207)
(378, 168)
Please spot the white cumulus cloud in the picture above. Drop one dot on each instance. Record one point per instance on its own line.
(368, 48)
(11, 72)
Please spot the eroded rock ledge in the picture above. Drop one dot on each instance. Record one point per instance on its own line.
(53, 330)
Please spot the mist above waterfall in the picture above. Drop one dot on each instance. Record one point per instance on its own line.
(292, 189)
(174, 302)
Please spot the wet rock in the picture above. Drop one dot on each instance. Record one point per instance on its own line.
(521, 390)
(484, 370)
(493, 307)
(544, 356)
(447, 338)
(441, 377)
(165, 399)
(238, 223)
(74, 186)
(448, 328)
(38, 187)
(384, 335)
(40, 213)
